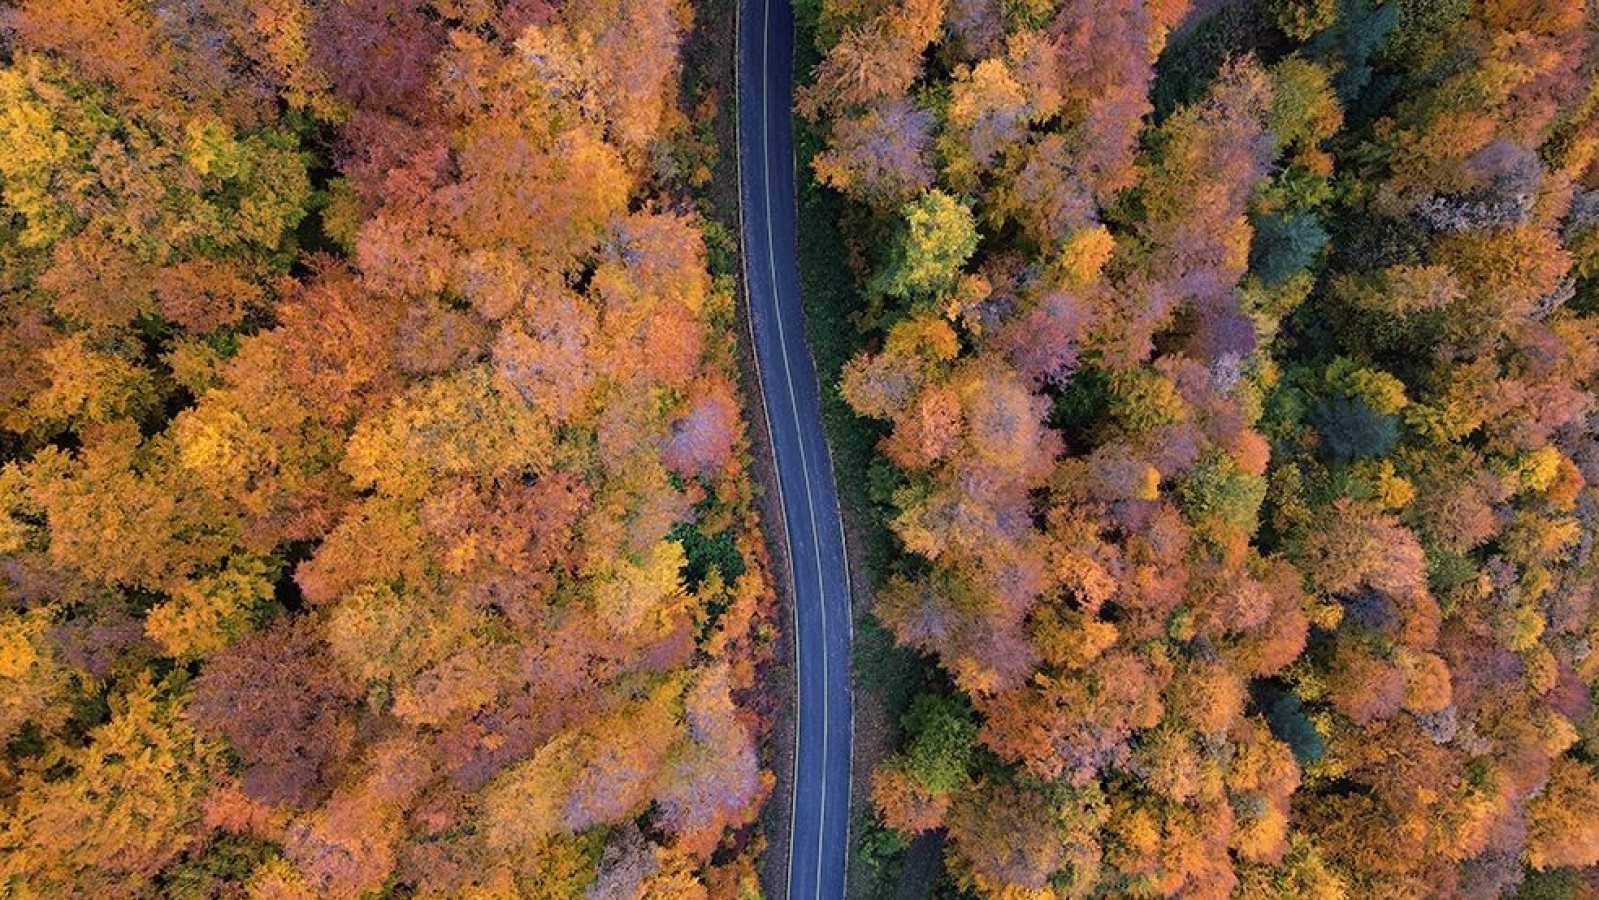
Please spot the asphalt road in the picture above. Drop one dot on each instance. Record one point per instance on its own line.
(819, 830)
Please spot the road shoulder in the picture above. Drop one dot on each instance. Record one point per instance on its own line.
(711, 55)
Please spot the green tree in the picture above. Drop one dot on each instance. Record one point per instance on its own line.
(937, 237)
(942, 734)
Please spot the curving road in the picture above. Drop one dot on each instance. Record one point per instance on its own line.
(819, 824)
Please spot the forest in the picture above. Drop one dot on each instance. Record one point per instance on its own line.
(379, 508)
(1232, 372)
(375, 518)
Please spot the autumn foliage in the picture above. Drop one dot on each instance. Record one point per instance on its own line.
(1241, 448)
(373, 511)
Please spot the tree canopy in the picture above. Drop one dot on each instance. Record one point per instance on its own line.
(374, 515)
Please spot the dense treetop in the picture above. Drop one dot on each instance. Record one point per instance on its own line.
(1242, 446)
(373, 511)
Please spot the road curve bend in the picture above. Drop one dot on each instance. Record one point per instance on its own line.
(819, 824)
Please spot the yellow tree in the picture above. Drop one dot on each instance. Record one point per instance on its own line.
(128, 807)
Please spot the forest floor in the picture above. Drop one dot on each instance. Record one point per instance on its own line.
(1198, 13)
